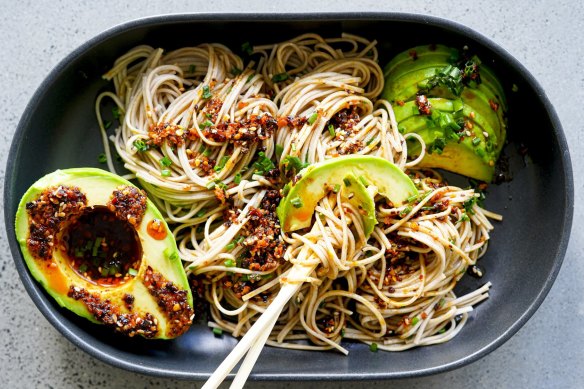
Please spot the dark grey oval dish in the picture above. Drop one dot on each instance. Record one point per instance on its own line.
(58, 130)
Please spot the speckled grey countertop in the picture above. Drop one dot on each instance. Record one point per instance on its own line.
(545, 36)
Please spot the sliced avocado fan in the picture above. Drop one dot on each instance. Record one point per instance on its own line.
(102, 250)
(455, 103)
(353, 174)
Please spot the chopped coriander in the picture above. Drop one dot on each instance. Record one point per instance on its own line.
(469, 205)
(107, 125)
(279, 150)
(217, 331)
(236, 71)
(293, 164)
(373, 347)
(165, 161)
(102, 158)
(405, 211)
(207, 123)
(192, 68)
(336, 188)
(165, 173)
(132, 272)
(237, 178)
(313, 118)
(331, 130)
(229, 263)
(247, 48)
(206, 92)
(116, 112)
(221, 164)
(347, 182)
(280, 77)
(296, 202)
(263, 164)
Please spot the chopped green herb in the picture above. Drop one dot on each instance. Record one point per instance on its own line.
(165, 161)
(102, 158)
(237, 178)
(263, 164)
(201, 213)
(116, 112)
(412, 198)
(293, 146)
(415, 320)
(107, 125)
(207, 152)
(96, 246)
(313, 118)
(217, 331)
(132, 272)
(236, 71)
(279, 150)
(280, 77)
(221, 164)
(469, 205)
(165, 173)
(336, 188)
(401, 129)
(192, 68)
(230, 262)
(370, 141)
(296, 202)
(442, 330)
(83, 268)
(293, 164)
(476, 141)
(342, 333)
(373, 347)
(450, 77)
(437, 146)
(247, 48)
(463, 218)
(347, 182)
(331, 130)
(207, 123)
(230, 246)
(206, 92)
(249, 78)
(405, 211)
(514, 88)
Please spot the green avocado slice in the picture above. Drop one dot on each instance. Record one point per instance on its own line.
(297, 207)
(431, 60)
(110, 256)
(405, 57)
(355, 192)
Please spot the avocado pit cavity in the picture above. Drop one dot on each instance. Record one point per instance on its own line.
(101, 247)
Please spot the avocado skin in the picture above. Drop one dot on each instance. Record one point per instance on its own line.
(65, 285)
(317, 180)
(404, 74)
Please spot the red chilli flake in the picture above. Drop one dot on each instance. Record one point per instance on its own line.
(128, 203)
(423, 105)
(46, 215)
(109, 314)
(172, 300)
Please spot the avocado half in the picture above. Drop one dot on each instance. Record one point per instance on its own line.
(471, 145)
(351, 173)
(102, 250)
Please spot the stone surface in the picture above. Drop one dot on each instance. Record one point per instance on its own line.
(545, 36)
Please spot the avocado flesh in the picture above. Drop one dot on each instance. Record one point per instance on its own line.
(355, 192)
(421, 51)
(57, 276)
(403, 79)
(317, 180)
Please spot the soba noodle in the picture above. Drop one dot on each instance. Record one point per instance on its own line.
(178, 136)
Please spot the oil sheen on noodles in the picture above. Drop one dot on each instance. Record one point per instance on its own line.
(203, 131)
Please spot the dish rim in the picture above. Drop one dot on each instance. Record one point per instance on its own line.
(48, 310)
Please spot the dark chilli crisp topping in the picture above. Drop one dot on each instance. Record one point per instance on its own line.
(109, 314)
(46, 215)
(128, 203)
(172, 300)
